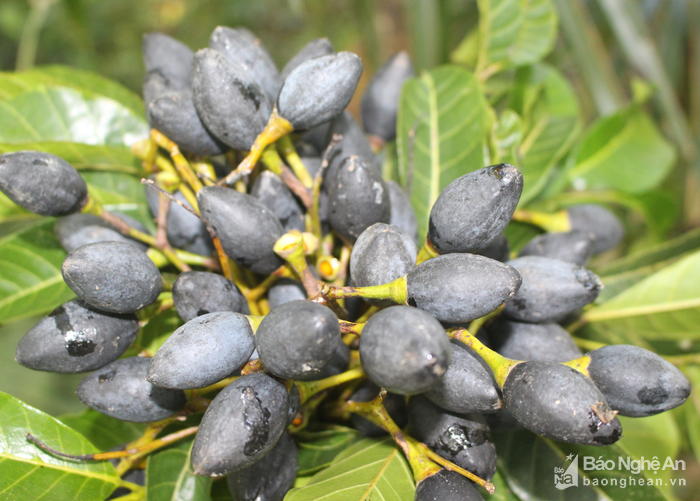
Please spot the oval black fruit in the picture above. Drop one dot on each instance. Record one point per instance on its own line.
(197, 293)
(404, 350)
(75, 338)
(270, 478)
(228, 99)
(571, 246)
(117, 277)
(551, 289)
(637, 382)
(462, 439)
(168, 58)
(458, 288)
(319, 89)
(272, 192)
(184, 230)
(315, 48)
(120, 390)
(203, 351)
(606, 228)
(467, 385)
(284, 291)
(556, 401)
(381, 254)
(248, 230)
(380, 101)
(42, 183)
(446, 485)
(474, 209)
(242, 47)
(540, 342)
(242, 424)
(298, 340)
(357, 198)
(76, 230)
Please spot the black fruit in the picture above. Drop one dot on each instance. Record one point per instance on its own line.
(551, 289)
(228, 99)
(380, 101)
(76, 230)
(242, 47)
(270, 478)
(402, 215)
(197, 293)
(571, 246)
(315, 48)
(540, 342)
(461, 287)
(117, 277)
(173, 113)
(462, 439)
(447, 485)
(248, 230)
(242, 424)
(203, 351)
(404, 350)
(558, 402)
(637, 382)
(75, 338)
(381, 254)
(467, 385)
(120, 390)
(598, 221)
(298, 340)
(357, 198)
(42, 183)
(284, 291)
(319, 89)
(184, 230)
(474, 209)
(272, 192)
(169, 59)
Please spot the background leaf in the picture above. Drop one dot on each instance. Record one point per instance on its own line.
(29, 473)
(624, 151)
(665, 306)
(30, 272)
(317, 449)
(515, 32)
(367, 470)
(88, 83)
(169, 477)
(442, 123)
(103, 431)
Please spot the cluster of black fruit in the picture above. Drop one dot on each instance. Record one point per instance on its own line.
(441, 383)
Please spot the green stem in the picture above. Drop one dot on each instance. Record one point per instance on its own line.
(428, 251)
(286, 147)
(308, 389)
(500, 365)
(396, 291)
(31, 31)
(551, 222)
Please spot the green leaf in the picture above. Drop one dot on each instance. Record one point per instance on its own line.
(531, 476)
(514, 32)
(30, 272)
(553, 124)
(84, 156)
(663, 306)
(103, 431)
(441, 129)
(317, 449)
(28, 473)
(623, 273)
(506, 135)
(155, 332)
(624, 151)
(169, 477)
(367, 470)
(692, 411)
(88, 83)
(65, 114)
(651, 436)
